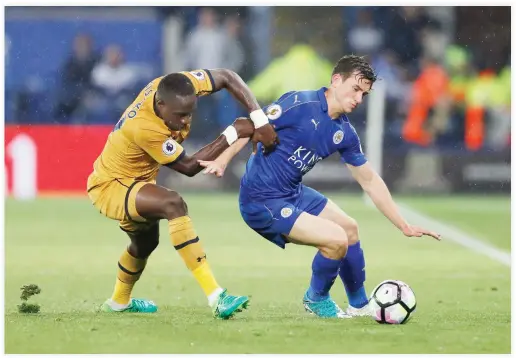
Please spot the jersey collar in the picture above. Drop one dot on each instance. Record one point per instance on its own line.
(322, 99)
(324, 104)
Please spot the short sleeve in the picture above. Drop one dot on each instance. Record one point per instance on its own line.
(351, 150)
(202, 81)
(276, 115)
(163, 149)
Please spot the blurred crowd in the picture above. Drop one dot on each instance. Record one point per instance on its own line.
(440, 92)
(93, 84)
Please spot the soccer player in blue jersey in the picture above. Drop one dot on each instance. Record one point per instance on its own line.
(312, 125)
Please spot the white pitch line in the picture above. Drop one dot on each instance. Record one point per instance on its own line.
(456, 235)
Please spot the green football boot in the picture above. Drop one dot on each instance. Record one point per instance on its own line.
(326, 308)
(136, 305)
(228, 305)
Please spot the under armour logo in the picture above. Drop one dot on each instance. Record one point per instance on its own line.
(199, 259)
(315, 123)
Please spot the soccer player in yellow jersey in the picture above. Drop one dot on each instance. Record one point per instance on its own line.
(123, 183)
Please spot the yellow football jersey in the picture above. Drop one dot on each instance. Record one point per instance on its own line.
(141, 142)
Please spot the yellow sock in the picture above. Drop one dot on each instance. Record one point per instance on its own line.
(129, 271)
(187, 244)
(206, 280)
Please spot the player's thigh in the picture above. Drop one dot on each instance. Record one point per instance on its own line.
(311, 201)
(282, 222)
(154, 202)
(335, 214)
(109, 197)
(315, 231)
(116, 200)
(310, 226)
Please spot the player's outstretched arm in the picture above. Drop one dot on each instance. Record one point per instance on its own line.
(219, 165)
(189, 165)
(264, 133)
(377, 190)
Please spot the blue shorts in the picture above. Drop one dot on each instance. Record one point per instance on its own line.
(274, 218)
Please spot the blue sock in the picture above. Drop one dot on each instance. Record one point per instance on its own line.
(352, 273)
(324, 273)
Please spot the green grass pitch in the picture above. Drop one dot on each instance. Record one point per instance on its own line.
(67, 248)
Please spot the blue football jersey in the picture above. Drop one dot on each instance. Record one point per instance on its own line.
(307, 135)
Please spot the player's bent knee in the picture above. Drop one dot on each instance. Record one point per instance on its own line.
(174, 206)
(337, 245)
(150, 246)
(142, 250)
(144, 242)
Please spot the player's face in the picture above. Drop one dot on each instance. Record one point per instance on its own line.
(177, 111)
(350, 92)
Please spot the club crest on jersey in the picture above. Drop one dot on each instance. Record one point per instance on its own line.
(274, 111)
(286, 212)
(198, 74)
(338, 137)
(169, 147)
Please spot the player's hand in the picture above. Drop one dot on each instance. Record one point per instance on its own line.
(267, 136)
(415, 231)
(213, 167)
(244, 127)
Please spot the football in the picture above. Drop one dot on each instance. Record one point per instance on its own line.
(392, 302)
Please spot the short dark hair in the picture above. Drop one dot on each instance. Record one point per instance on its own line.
(351, 63)
(175, 84)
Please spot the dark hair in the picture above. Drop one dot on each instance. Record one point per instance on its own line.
(175, 84)
(351, 63)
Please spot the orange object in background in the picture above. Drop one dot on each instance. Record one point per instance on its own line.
(427, 90)
(474, 127)
(476, 98)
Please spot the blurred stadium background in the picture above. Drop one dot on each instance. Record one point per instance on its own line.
(444, 149)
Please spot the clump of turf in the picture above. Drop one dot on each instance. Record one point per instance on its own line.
(27, 292)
